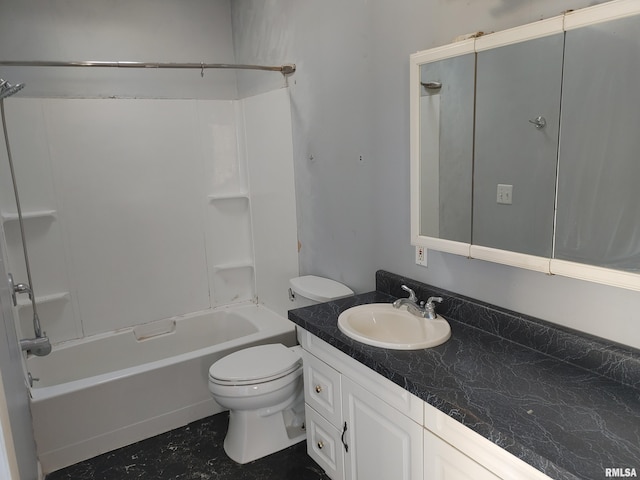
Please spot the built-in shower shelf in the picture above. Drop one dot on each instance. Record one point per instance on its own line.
(233, 266)
(228, 196)
(9, 217)
(54, 297)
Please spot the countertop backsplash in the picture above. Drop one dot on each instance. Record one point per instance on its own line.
(609, 359)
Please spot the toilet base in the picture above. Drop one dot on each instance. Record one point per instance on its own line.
(251, 436)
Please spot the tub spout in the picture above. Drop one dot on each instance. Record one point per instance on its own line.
(39, 346)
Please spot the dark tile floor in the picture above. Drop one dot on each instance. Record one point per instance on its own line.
(188, 453)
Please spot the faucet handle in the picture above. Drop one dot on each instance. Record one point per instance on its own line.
(412, 294)
(434, 299)
(430, 308)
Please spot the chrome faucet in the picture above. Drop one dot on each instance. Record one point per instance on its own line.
(411, 300)
(40, 345)
(420, 309)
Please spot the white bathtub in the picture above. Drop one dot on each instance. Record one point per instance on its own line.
(111, 390)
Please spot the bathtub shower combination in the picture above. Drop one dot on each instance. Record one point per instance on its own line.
(156, 255)
(111, 390)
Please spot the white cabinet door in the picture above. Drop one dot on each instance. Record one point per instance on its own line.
(380, 442)
(444, 462)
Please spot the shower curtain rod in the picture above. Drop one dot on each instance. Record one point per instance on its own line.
(286, 69)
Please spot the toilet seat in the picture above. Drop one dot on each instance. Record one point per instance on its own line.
(259, 364)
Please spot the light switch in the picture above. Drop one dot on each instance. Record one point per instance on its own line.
(505, 194)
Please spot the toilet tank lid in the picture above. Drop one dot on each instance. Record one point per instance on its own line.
(319, 289)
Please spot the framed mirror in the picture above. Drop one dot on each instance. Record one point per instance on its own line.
(542, 174)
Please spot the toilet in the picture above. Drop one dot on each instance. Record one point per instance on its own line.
(262, 386)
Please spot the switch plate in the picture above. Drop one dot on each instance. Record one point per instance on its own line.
(505, 194)
(421, 256)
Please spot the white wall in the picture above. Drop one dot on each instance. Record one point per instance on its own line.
(267, 127)
(153, 211)
(350, 98)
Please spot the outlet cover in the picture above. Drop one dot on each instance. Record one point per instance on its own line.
(505, 194)
(421, 256)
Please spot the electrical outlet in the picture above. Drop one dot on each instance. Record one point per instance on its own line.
(505, 194)
(421, 256)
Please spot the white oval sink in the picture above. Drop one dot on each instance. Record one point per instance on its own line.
(382, 325)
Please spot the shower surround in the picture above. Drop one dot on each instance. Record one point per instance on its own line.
(142, 211)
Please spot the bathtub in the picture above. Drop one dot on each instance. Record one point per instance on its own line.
(107, 391)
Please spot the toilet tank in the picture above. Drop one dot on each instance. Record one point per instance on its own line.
(310, 289)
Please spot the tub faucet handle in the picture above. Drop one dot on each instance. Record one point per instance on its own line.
(32, 379)
(16, 288)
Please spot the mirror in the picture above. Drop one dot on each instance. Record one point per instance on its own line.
(446, 110)
(526, 154)
(598, 193)
(516, 145)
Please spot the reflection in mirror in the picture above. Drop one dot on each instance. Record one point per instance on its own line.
(517, 121)
(446, 147)
(504, 171)
(598, 214)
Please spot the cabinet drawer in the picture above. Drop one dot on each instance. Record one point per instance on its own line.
(324, 444)
(322, 388)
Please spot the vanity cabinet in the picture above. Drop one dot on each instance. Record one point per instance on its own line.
(360, 425)
(352, 433)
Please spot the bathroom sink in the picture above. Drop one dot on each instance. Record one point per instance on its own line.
(382, 325)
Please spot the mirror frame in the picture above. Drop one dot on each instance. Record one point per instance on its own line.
(416, 60)
(568, 21)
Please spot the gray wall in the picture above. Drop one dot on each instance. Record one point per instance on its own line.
(350, 98)
(118, 30)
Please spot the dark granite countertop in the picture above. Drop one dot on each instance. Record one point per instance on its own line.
(566, 403)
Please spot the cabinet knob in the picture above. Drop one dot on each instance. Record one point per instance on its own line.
(320, 444)
(318, 388)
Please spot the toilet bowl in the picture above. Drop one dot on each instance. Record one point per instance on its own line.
(262, 387)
